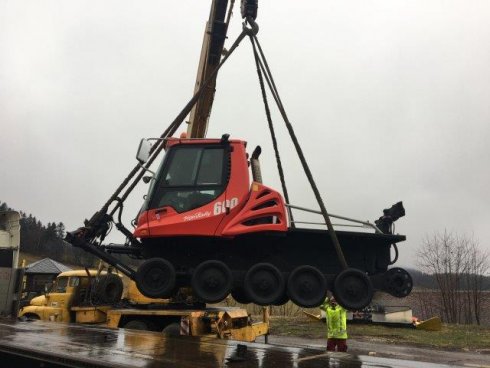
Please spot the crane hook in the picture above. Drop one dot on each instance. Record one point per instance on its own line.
(253, 29)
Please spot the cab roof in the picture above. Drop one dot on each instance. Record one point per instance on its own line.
(172, 141)
(80, 273)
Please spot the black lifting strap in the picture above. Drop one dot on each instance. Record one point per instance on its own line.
(100, 217)
(262, 62)
(271, 129)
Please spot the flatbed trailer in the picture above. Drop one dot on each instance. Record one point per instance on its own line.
(222, 322)
(76, 297)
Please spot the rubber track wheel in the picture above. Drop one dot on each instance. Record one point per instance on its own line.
(353, 289)
(172, 329)
(240, 296)
(212, 281)
(155, 278)
(283, 299)
(399, 283)
(137, 324)
(108, 289)
(264, 284)
(307, 286)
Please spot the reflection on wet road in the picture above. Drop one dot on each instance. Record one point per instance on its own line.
(75, 345)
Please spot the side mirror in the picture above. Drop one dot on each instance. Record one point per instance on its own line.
(147, 179)
(143, 153)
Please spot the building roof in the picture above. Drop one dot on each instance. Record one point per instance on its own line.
(46, 265)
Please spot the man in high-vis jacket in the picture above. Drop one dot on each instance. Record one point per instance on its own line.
(336, 317)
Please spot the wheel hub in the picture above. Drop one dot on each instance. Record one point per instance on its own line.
(155, 278)
(264, 283)
(398, 282)
(307, 286)
(353, 289)
(212, 281)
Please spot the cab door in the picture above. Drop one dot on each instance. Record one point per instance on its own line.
(56, 301)
(190, 190)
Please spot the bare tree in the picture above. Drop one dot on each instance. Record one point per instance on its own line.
(427, 303)
(287, 310)
(459, 267)
(477, 268)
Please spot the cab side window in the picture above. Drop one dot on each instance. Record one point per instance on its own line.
(74, 281)
(61, 284)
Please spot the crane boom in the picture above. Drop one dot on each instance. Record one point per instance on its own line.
(211, 51)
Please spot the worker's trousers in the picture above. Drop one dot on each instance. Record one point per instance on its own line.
(340, 344)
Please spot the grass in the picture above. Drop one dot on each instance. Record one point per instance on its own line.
(451, 337)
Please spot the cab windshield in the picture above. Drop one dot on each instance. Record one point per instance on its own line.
(190, 177)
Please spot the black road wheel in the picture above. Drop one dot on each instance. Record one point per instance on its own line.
(283, 299)
(264, 284)
(212, 281)
(353, 289)
(398, 282)
(238, 293)
(172, 329)
(137, 324)
(155, 278)
(307, 287)
(108, 289)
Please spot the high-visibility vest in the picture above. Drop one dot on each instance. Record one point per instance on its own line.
(336, 322)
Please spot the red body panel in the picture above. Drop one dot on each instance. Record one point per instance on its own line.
(263, 204)
(142, 225)
(232, 213)
(199, 221)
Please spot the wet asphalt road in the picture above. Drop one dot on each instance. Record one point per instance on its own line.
(399, 355)
(64, 345)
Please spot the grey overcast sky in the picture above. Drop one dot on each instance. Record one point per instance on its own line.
(390, 100)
